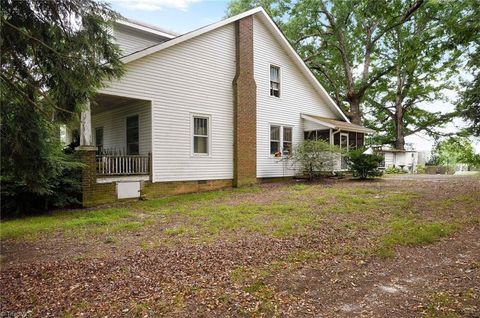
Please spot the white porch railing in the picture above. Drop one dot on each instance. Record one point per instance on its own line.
(114, 165)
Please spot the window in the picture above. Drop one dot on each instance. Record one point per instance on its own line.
(317, 135)
(274, 81)
(201, 132)
(287, 140)
(99, 138)
(281, 139)
(132, 135)
(275, 140)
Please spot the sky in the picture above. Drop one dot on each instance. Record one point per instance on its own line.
(182, 16)
(176, 15)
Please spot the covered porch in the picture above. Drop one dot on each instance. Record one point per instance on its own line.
(345, 135)
(115, 143)
(118, 129)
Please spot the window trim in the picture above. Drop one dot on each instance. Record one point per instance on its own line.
(280, 86)
(270, 155)
(126, 133)
(192, 135)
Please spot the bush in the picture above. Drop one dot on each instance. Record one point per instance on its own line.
(420, 169)
(364, 165)
(393, 170)
(314, 157)
(64, 190)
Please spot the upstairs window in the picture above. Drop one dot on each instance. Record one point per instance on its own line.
(132, 135)
(201, 132)
(274, 81)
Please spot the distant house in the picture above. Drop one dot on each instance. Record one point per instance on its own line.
(405, 160)
(212, 108)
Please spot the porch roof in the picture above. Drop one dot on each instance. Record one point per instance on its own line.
(337, 124)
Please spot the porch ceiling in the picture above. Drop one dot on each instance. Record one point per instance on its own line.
(104, 102)
(337, 124)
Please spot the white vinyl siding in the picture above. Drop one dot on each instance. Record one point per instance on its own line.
(131, 40)
(191, 77)
(114, 123)
(297, 96)
(389, 159)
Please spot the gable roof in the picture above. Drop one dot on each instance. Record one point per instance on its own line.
(274, 29)
(147, 28)
(337, 124)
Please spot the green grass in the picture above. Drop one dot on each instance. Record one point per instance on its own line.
(277, 219)
(411, 232)
(201, 197)
(111, 220)
(173, 231)
(364, 200)
(453, 305)
(101, 219)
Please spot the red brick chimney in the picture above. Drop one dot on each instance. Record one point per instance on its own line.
(245, 106)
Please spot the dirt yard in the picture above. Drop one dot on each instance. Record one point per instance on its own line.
(402, 246)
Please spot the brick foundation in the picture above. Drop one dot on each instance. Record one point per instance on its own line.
(274, 179)
(161, 189)
(92, 192)
(245, 106)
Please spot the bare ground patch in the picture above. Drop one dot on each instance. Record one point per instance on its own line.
(277, 250)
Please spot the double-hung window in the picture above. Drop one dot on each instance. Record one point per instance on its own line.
(275, 140)
(281, 139)
(201, 135)
(287, 141)
(274, 81)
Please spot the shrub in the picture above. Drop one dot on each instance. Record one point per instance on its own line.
(420, 169)
(64, 190)
(364, 165)
(393, 170)
(314, 157)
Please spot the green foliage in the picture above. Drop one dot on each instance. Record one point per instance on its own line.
(385, 59)
(364, 165)
(54, 57)
(455, 150)
(420, 169)
(393, 170)
(465, 29)
(469, 104)
(314, 157)
(426, 64)
(275, 8)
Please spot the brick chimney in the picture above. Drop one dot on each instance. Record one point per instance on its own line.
(245, 106)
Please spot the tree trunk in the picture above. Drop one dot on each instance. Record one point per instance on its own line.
(399, 134)
(355, 112)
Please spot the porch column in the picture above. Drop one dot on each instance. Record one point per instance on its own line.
(86, 126)
(87, 152)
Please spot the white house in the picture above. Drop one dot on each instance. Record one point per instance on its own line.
(215, 107)
(405, 160)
